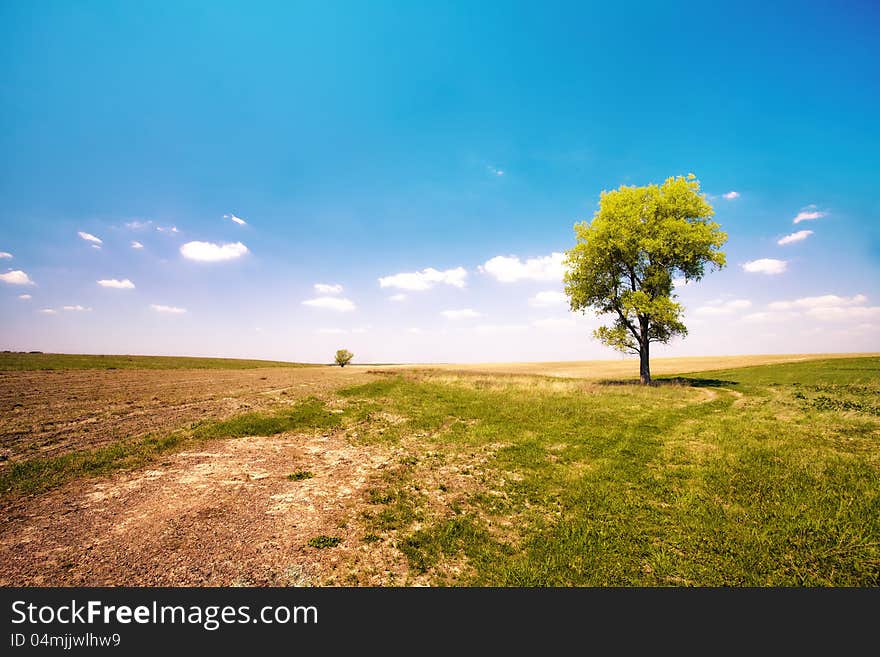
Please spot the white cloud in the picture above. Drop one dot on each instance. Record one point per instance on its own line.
(682, 282)
(171, 310)
(238, 220)
(4, 255)
(731, 195)
(555, 323)
(167, 229)
(324, 288)
(136, 245)
(138, 225)
(48, 311)
(25, 297)
(808, 213)
(397, 297)
(124, 284)
(88, 237)
(210, 252)
(360, 329)
(331, 331)
(824, 301)
(495, 172)
(548, 298)
(798, 236)
(77, 308)
(96, 246)
(418, 281)
(724, 307)
(510, 269)
(842, 313)
(765, 266)
(464, 313)
(16, 277)
(331, 303)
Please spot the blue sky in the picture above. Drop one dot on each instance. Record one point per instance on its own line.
(359, 141)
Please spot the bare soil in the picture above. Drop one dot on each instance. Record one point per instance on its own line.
(223, 515)
(49, 413)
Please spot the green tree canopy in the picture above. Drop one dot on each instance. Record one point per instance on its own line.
(343, 357)
(625, 259)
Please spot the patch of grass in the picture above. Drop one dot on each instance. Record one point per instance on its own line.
(309, 413)
(725, 478)
(40, 474)
(39, 361)
(323, 541)
(299, 475)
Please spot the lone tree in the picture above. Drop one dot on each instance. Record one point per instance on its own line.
(625, 259)
(343, 357)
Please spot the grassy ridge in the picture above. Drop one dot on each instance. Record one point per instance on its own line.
(22, 361)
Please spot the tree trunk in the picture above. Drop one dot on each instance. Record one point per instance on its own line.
(644, 365)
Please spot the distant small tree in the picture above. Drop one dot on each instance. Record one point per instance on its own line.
(343, 357)
(625, 259)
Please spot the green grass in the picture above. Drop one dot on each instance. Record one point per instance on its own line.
(737, 479)
(322, 542)
(26, 361)
(299, 475)
(40, 474)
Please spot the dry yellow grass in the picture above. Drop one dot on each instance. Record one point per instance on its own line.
(622, 368)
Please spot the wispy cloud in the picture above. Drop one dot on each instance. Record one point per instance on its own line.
(823, 301)
(48, 311)
(88, 237)
(77, 308)
(332, 331)
(548, 298)
(25, 297)
(4, 255)
(138, 225)
(495, 171)
(325, 288)
(765, 266)
(136, 245)
(510, 269)
(844, 313)
(464, 313)
(16, 277)
(731, 195)
(115, 283)
(418, 281)
(170, 310)
(238, 220)
(167, 229)
(337, 304)
(397, 297)
(798, 236)
(210, 252)
(808, 214)
(723, 307)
